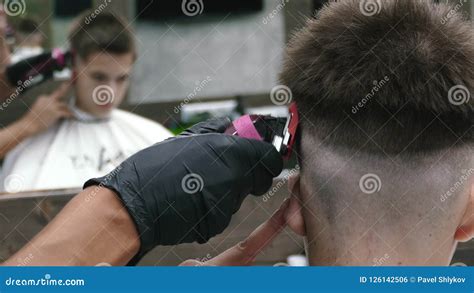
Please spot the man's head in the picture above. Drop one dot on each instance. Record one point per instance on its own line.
(386, 138)
(104, 53)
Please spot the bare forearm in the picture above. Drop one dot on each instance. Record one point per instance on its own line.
(93, 228)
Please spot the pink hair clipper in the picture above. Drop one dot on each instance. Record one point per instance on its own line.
(281, 132)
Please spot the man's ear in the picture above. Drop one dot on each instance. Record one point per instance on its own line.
(465, 231)
(293, 214)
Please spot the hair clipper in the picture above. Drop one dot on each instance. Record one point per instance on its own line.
(37, 69)
(281, 132)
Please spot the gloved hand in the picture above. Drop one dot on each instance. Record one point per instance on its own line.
(186, 189)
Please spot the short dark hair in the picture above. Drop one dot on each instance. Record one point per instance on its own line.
(27, 26)
(382, 82)
(97, 32)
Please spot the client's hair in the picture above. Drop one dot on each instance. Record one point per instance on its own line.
(384, 90)
(99, 32)
(393, 69)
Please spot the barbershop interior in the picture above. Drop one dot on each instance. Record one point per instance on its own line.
(187, 63)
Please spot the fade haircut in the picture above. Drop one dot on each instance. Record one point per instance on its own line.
(386, 108)
(403, 77)
(100, 32)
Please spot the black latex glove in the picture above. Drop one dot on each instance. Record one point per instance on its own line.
(185, 189)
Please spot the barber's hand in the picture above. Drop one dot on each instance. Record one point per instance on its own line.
(245, 252)
(217, 125)
(185, 189)
(46, 110)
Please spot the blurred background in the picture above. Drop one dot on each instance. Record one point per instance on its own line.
(229, 51)
(194, 62)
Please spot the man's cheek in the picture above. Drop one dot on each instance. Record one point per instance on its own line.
(120, 95)
(84, 87)
(119, 99)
